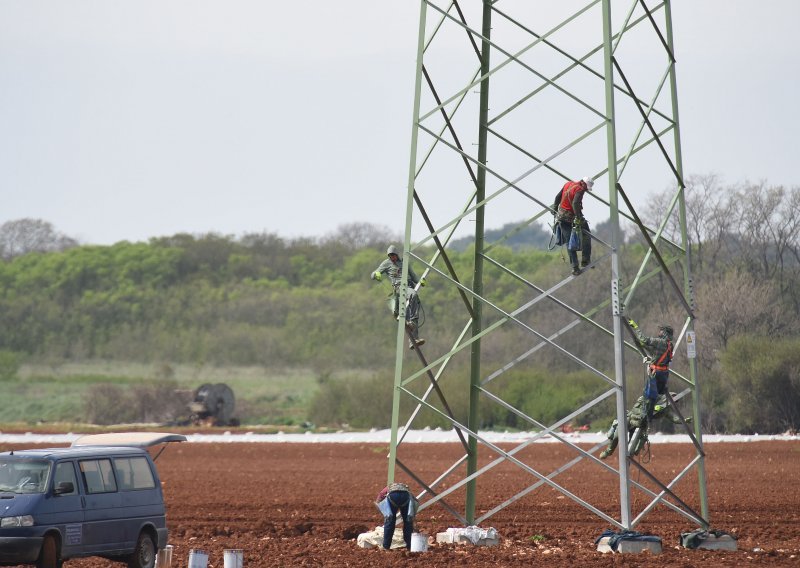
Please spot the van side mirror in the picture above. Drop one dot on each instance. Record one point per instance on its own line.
(64, 487)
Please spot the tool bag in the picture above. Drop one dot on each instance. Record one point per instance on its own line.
(575, 239)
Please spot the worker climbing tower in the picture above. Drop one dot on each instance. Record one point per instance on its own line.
(512, 99)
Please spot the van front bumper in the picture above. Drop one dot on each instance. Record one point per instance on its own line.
(19, 549)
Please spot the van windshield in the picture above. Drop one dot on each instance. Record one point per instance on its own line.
(23, 475)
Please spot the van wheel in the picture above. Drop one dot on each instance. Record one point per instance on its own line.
(49, 556)
(144, 556)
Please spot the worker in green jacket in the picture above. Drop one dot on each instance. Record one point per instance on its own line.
(393, 268)
(659, 352)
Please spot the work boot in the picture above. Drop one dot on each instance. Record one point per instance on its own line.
(585, 262)
(412, 343)
(575, 270)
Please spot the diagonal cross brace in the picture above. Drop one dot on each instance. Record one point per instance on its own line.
(435, 385)
(657, 254)
(430, 490)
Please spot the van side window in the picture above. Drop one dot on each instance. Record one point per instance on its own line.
(65, 471)
(98, 476)
(134, 473)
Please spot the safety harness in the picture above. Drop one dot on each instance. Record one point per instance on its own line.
(662, 364)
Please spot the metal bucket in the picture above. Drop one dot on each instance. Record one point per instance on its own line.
(198, 558)
(419, 542)
(233, 558)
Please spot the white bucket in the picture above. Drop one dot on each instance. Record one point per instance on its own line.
(233, 558)
(419, 542)
(198, 558)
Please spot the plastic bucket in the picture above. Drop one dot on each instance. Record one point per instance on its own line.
(419, 542)
(198, 558)
(164, 557)
(233, 558)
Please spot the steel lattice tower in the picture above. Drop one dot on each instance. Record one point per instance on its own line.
(562, 105)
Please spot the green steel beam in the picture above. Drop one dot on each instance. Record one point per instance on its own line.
(619, 352)
(412, 166)
(687, 274)
(477, 279)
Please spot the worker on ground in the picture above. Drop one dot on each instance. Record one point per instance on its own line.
(636, 417)
(393, 499)
(659, 355)
(568, 210)
(393, 267)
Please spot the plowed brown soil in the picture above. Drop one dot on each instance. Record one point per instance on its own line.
(304, 505)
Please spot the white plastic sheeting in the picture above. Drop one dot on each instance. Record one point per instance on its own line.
(433, 435)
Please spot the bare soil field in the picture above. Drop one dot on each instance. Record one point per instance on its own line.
(305, 504)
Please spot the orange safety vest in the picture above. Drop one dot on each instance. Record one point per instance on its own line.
(663, 362)
(568, 194)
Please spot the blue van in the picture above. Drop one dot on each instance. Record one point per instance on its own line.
(99, 497)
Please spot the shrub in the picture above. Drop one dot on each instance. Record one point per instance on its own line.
(10, 362)
(112, 404)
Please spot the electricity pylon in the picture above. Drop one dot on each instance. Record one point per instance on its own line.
(571, 84)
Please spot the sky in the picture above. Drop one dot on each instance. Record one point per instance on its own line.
(123, 120)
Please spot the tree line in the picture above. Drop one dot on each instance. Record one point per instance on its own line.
(260, 299)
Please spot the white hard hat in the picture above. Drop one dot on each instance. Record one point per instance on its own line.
(588, 181)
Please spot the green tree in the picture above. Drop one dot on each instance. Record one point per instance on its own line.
(764, 380)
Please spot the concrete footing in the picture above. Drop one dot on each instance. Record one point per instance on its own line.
(722, 542)
(626, 546)
(469, 535)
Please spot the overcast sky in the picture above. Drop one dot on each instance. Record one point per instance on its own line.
(125, 120)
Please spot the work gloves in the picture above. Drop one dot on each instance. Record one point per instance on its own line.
(633, 324)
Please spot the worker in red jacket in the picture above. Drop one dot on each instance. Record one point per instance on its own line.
(568, 209)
